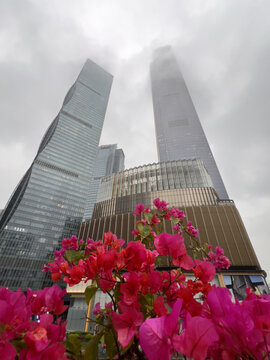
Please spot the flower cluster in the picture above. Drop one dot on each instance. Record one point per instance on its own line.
(156, 310)
(38, 340)
(218, 259)
(141, 294)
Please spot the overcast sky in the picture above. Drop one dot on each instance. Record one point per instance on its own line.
(223, 48)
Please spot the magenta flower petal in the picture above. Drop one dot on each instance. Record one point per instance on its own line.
(156, 335)
(204, 270)
(153, 341)
(171, 320)
(184, 262)
(219, 302)
(159, 306)
(198, 335)
(126, 325)
(7, 351)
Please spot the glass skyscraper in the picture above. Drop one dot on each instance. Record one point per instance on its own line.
(49, 201)
(179, 133)
(109, 160)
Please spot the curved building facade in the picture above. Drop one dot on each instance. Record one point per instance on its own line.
(218, 224)
(184, 182)
(49, 202)
(167, 175)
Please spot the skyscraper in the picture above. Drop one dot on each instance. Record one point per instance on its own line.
(109, 160)
(50, 199)
(179, 133)
(186, 177)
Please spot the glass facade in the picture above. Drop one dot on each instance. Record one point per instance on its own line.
(237, 284)
(176, 198)
(49, 201)
(179, 133)
(109, 160)
(168, 175)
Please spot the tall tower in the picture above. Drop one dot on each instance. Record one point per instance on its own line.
(50, 199)
(179, 133)
(109, 160)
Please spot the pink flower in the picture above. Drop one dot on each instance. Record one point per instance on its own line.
(117, 244)
(130, 288)
(7, 351)
(159, 306)
(218, 259)
(36, 339)
(160, 204)
(135, 255)
(170, 244)
(56, 351)
(75, 275)
(154, 220)
(57, 268)
(71, 243)
(106, 281)
(13, 311)
(139, 209)
(219, 302)
(184, 261)
(173, 245)
(124, 308)
(47, 300)
(40, 337)
(155, 281)
(97, 309)
(126, 325)
(178, 214)
(198, 335)
(205, 271)
(219, 251)
(106, 261)
(192, 230)
(135, 232)
(149, 264)
(238, 325)
(109, 238)
(159, 336)
(108, 305)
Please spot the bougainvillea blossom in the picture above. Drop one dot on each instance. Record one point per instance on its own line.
(126, 325)
(159, 336)
(156, 308)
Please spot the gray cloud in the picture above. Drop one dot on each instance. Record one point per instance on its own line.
(223, 49)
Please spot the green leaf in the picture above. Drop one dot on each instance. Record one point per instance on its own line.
(149, 298)
(175, 221)
(73, 256)
(139, 226)
(144, 230)
(110, 345)
(146, 302)
(19, 344)
(145, 241)
(91, 350)
(129, 345)
(89, 293)
(148, 216)
(73, 344)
